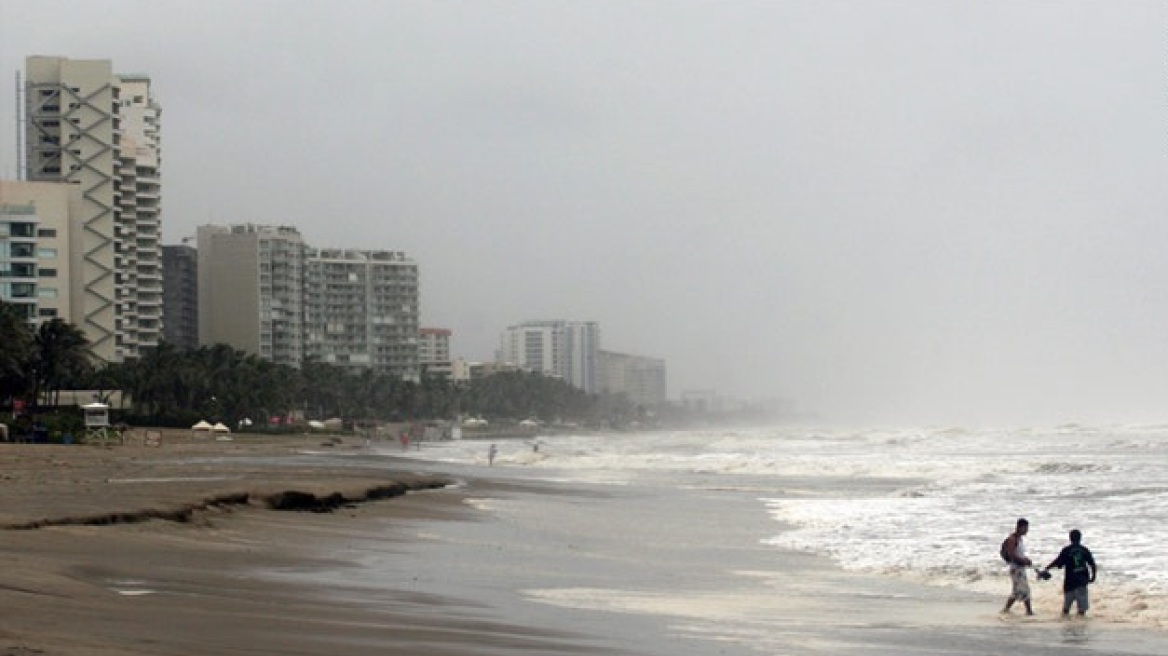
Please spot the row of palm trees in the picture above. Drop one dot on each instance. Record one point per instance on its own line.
(225, 384)
(173, 386)
(37, 363)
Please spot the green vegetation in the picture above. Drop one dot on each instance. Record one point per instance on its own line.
(173, 387)
(36, 363)
(218, 383)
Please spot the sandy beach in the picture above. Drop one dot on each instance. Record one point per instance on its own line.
(134, 549)
(179, 549)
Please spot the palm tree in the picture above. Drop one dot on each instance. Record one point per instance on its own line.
(16, 350)
(61, 357)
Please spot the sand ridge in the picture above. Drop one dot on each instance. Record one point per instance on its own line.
(137, 549)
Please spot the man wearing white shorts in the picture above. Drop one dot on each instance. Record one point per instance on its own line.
(1020, 587)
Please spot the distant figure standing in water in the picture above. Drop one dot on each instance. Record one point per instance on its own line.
(1078, 567)
(1020, 587)
(491, 452)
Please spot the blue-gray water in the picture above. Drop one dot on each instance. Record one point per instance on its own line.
(787, 541)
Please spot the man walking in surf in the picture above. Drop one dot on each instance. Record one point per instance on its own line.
(1078, 571)
(1020, 587)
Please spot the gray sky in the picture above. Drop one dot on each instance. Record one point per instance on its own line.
(881, 211)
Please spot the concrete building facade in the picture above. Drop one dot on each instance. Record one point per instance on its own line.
(361, 310)
(180, 296)
(36, 262)
(251, 290)
(565, 349)
(137, 215)
(434, 352)
(262, 290)
(85, 126)
(642, 380)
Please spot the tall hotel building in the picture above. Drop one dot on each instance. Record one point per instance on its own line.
(88, 127)
(264, 291)
(361, 310)
(565, 349)
(640, 379)
(180, 295)
(251, 290)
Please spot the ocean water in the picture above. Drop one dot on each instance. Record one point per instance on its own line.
(802, 539)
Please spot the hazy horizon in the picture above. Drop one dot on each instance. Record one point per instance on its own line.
(889, 211)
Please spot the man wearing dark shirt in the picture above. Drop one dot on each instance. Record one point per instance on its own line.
(1078, 567)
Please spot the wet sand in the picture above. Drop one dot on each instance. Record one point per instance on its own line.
(135, 549)
(175, 549)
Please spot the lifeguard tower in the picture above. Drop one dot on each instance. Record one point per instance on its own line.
(97, 424)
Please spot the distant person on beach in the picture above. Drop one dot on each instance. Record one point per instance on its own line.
(1020, 587)
(491, 452)
(1078, 567)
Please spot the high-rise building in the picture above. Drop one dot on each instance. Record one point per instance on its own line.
(36, 219)
(434, 352)
(565, 349)
(361, 310)
(262, 290)
(251, 290)
(86, 126)
(640, 379)
(138, 195)
(180, 295)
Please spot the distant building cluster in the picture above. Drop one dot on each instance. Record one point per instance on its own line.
(565, 349)
(264, 290)
(571, 350)
(80, 238)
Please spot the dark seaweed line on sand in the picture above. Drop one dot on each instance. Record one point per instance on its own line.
(288, 500)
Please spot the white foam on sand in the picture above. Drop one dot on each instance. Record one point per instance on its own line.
(484, 504)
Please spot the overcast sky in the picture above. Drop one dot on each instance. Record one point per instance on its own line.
(881, 211)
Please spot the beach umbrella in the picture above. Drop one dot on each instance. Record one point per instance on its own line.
(220, 428)
(201, 426)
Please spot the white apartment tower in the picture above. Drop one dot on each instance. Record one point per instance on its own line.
(138, 276)
(35, 264)
(565, 349)
(434, 352)
(361, 310)
(86, 126)
(251, 290)
(640, 379)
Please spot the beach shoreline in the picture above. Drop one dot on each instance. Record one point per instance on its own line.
(135, 549)
(116, 551)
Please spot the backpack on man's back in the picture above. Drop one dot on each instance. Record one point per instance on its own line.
(1007, 550)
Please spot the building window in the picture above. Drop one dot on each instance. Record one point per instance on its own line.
(47, 253)
(23, 229)
(47, 273)
(47, 312)
(46, 233)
